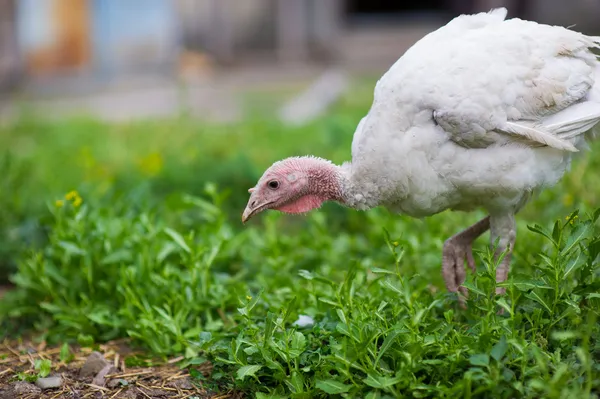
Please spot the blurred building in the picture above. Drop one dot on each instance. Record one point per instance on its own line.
(99, 36)
(9, 56)
(106, 39)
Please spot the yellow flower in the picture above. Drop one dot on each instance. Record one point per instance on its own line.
(571, 220)
(74, 197)
(59, 203)
(248, 297)
(71, 195)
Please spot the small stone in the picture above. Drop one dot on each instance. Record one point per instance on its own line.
(25, 388)
(99, 379)
(183, 383)
(49, 382)
(131, 393)
(93, 365)
(304, 321)
(119, 382)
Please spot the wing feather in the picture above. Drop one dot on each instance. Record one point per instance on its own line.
(536, 135)
(490, 81)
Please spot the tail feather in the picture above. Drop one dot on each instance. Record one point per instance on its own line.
(537, 135)
(581, 118)
(573, 121)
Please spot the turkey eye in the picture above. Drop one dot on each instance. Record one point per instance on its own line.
(274, 184)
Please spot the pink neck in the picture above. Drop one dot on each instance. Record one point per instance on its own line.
(324, 184)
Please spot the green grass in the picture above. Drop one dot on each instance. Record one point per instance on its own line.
(156, 252)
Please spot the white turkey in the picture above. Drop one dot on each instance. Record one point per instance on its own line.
(481, 113)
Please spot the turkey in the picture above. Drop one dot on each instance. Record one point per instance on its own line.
(482, 113)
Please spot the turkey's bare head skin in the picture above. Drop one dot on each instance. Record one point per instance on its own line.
(295, 185)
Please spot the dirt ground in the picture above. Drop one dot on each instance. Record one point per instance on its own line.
(101, 373)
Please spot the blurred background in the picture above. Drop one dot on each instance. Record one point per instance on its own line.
(152, 97)
(145, 49)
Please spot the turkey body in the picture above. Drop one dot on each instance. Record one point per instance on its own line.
(482, 113)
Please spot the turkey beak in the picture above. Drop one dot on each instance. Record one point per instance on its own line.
(251, 208)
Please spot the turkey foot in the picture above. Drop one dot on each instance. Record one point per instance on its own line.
(502, 271)
(458, 250)
(502, 274)
(504, 231)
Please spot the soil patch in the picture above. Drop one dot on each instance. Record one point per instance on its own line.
(99, 373)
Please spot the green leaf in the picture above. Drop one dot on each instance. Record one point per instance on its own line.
(178, 239)
(204, 337)
(343, 329)
(526, 285)
(480, 359)
(311, 276)
(388, 341)
(43, 367)
(564, 335)
(557, 231)
(305, 274)
(596, 215)
(329, 302)
(393, 287)
(576, 236)
(296, 383)
(433, 361)
(260, 395)
(269, 327)
(594, 247)
(250, 305)
(583, 355)
(381, 382)
(378, 270)
(71, 248)
(503, 304)
(289, 309)
(537, 298)
(573, 305)
(65, 353)
(85, 340)
(298, 344)
(247, 371)
(536, 228)
(119, 256)
(212, 255)
(473, 288)
(573, 265)
(499, 350)
(167, 249)
(584, 289)
(332, 387)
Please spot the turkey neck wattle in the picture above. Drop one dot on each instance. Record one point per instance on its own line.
(324, 183)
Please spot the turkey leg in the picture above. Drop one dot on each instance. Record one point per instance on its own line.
(504, 229)
(457, 250)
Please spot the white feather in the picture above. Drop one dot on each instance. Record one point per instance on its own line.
(537, 135)
(480, 113)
